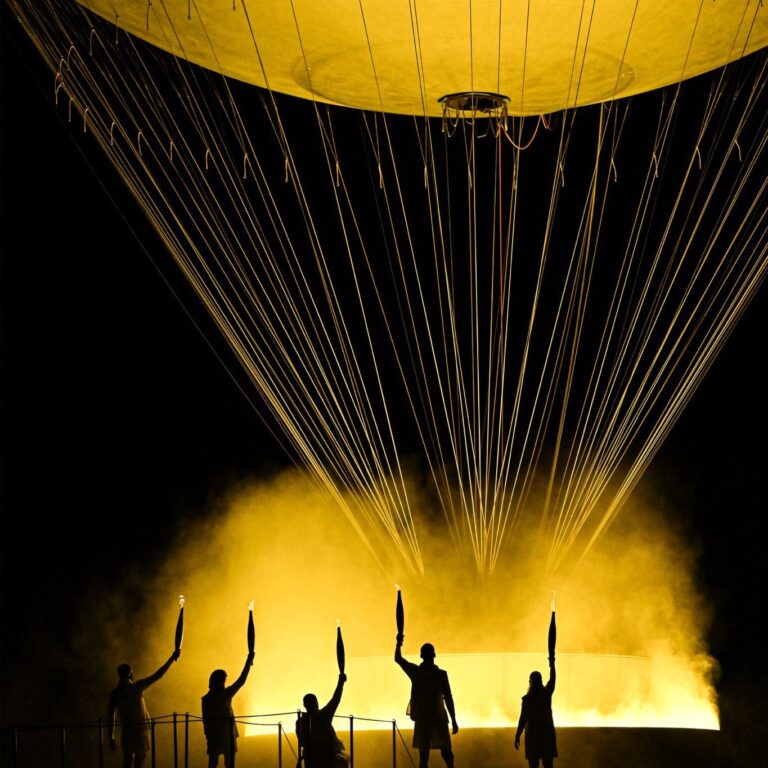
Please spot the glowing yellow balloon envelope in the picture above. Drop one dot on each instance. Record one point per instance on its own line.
(402, 56)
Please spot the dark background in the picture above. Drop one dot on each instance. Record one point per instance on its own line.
(119, 419)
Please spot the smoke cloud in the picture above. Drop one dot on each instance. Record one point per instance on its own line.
(630, 619)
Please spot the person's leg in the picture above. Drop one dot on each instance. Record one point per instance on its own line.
(138, 759)
(548, 762)
(447, 756)
(534, 763)
(423, 758)
(213, 761)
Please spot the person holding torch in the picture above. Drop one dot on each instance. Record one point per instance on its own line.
(430, 697)
(319, 746)
(536, 712)
(219, 724)
(126, 704)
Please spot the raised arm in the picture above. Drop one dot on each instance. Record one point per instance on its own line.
(155, 676)
(552, 675)
(332, 705)
(240, 682)
(404, 663)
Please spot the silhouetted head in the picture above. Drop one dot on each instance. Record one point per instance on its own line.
(310, 703)
(427, 652)
(217, 679)
(534, 681)
(124, 672)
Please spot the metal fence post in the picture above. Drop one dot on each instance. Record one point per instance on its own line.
(232, 741)
(15, 747)
(175, 743)
(101, 743)
(351, 741)
(63, 744)
(394, 744)
(186, 740)
(279, 745)
(152, 742)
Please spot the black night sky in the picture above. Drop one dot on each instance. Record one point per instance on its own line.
(119, 419)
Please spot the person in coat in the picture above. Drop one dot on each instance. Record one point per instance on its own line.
(219, 723)
(536, 720)
(127, 706)
(430, 698)
(320, 746)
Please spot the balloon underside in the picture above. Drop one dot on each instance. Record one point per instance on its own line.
(403, 57)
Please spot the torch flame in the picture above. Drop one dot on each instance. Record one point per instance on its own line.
(250, 606)
(181, 600)
(553, 601)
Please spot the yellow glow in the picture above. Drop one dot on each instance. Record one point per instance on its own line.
(630, 622)
(543, 56)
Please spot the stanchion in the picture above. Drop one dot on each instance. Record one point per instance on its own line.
(63, 744)
(152, 743)
(351, 741)
(15, 747)
(279, 745)
(186, 740)
(232, 741)
(394, 744)
(101, 743)
(175, 744)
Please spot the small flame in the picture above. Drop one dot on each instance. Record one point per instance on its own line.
(338, 622)
(553, 601)
(250, 606)
(397, 587)
(181, 601)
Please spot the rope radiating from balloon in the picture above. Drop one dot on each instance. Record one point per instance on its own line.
(493, 298)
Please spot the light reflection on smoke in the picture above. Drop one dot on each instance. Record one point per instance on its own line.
(630, 621)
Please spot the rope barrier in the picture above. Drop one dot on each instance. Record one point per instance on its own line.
(180, 748)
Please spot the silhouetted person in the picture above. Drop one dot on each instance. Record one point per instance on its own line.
(126, 701)
(536, 720)
(319, 744)
(218, 718)
(430, 696)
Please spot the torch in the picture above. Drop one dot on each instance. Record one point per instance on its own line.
(552, 638)
(180, 625)
(340, 657)
(399, 615)
(251, 629)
